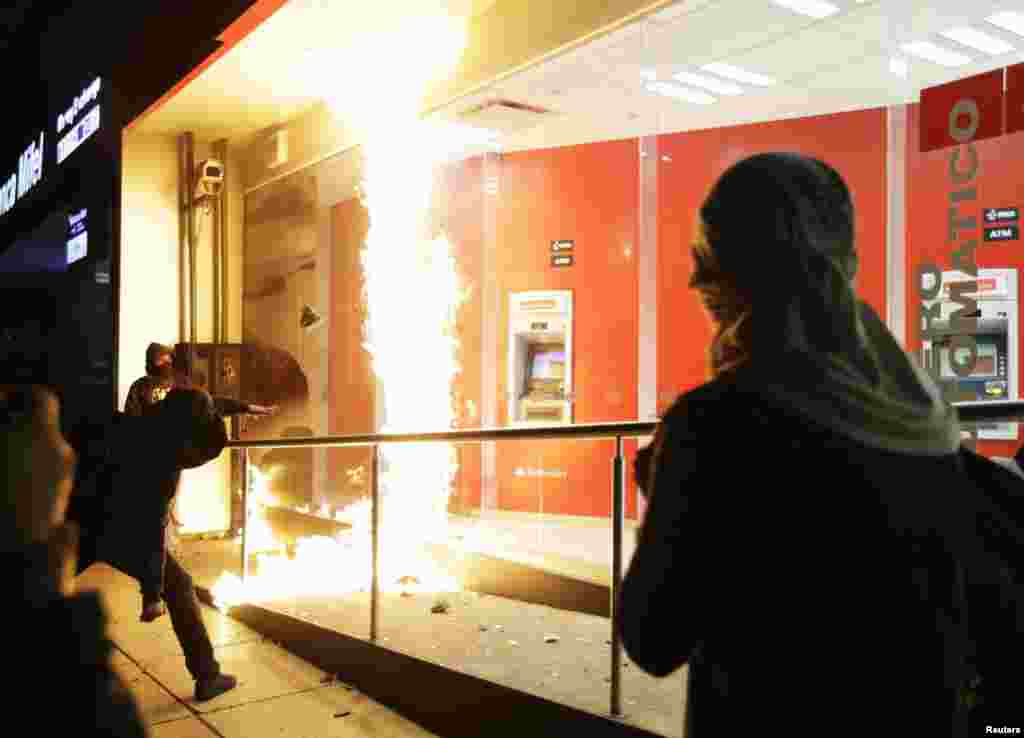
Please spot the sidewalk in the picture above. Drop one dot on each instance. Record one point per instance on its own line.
(278, 694)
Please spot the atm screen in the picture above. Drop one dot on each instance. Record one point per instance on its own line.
(548, 364)
(986, 366)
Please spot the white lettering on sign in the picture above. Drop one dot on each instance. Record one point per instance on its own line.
(29, 174)
(78, 135)
(89, 95)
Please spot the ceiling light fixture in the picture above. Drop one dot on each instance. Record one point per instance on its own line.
(899, 67)
(670, 90)
(978, 41)
(738, 75)
(936, 54)
(707, 83)
(1008, 21)
(813, 8)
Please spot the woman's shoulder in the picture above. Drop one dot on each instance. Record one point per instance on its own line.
(717, 399)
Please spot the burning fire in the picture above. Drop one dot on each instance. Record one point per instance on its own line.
(412, 293)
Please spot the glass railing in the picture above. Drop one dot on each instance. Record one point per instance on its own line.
(498, 553)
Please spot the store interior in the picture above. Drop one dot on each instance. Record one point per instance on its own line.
(523, 263)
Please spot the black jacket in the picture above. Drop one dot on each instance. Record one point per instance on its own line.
(68, 647)
(813, 583)
(128, 474)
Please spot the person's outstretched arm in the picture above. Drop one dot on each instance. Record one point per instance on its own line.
(661, 592)
(226, 406)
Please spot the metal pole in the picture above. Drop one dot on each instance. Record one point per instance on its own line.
(190, 160)
(618, 524)
(245, 513)
(222, 257)
(375, 543)
(183, 239)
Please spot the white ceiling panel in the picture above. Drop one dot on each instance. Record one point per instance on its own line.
(820, 46)
(719, 31)
(838, 63)
(898, 21)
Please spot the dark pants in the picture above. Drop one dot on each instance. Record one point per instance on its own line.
(182, 605)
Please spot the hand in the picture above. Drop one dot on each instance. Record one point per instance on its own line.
(262, 409)
(38, 465)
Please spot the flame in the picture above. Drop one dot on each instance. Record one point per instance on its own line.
(412, 294)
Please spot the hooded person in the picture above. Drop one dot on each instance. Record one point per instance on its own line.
(159, 380)
(815, 534)
(168, 368)
(129, 476)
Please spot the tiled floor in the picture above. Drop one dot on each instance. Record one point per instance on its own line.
(278, 694)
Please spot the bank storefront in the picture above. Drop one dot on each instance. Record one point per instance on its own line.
(480, 217)
(58, 226)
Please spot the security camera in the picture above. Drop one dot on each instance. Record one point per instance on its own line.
(209, 179)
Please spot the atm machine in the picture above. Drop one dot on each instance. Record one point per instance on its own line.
(540, 358)
(995, 374)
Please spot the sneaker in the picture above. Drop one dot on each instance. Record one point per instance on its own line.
(207, 689)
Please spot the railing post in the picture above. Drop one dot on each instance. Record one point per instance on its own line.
(618, 524)
(245, 514)
(375, 543)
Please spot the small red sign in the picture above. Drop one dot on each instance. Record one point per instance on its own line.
(963, 111)
(1015, 98)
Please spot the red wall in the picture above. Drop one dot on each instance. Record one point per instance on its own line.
(589, 194)
(998, 183)
(459, 200)
(852, 143)
(351, 402)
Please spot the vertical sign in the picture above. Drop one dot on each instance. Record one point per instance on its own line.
(967, 110)
(1015, 98)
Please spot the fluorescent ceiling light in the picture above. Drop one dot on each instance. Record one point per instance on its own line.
(1008, 21)
(670, 90)
(978, 40)
(813, 8)
(739, 75)
(936, 54)
(699, 80)
(899, 67)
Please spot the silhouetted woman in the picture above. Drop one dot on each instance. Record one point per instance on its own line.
(817, 545)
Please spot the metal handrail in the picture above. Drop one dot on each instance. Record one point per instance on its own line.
(633, 429)
(968, 412)
(1001, 410)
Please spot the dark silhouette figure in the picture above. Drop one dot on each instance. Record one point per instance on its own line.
(128, 476)
(818, 546)
(65, 632)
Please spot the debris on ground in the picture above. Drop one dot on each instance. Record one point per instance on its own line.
(551, 639)
(483, 628)
(408, 582)
(342, 714)
(513, 643)
(440, 607)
